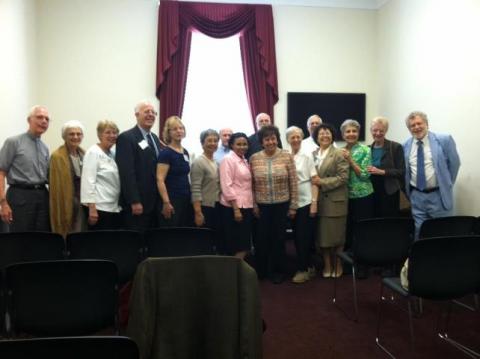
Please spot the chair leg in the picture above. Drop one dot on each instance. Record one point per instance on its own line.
(379, 313)
(335, 258)
(334, 300)
(443, 334)
(355, 298)
(469, 307)
(410, 324)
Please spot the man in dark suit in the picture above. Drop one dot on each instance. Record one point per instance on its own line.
(432, 167)
(254, 146)
(136, 156)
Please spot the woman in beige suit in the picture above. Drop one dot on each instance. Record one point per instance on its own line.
(332, 169)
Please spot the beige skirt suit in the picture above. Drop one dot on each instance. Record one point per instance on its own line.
(333, 198)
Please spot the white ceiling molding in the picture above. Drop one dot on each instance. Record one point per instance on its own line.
(349, 4)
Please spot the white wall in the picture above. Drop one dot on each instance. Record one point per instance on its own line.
(429, 60)
(17, 65)
(97, 61)
(97, 58)
(325, 50)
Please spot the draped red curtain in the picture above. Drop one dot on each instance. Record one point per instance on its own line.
(254, 23)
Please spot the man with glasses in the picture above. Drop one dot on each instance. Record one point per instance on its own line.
(136, 157)
(24, 165)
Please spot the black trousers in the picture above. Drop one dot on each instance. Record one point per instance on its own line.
(384, 205)
(30, 209)
(270, 256)
(140, 223)
(212, 221)
(106, 220)
(303, 237)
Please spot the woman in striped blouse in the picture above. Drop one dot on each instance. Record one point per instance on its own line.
(275, 187)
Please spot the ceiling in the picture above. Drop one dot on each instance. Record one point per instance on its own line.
(351, 4)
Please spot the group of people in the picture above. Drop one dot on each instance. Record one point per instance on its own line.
(246, 188)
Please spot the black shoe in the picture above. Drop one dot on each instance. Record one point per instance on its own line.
(277, 278)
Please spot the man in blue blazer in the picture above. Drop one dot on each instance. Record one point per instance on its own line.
(136, 157)
(432, 166)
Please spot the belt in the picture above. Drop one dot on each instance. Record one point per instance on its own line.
(28, 186)
(428, 190)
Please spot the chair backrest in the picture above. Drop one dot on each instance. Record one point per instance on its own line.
(476, 229)
(447, 226)
(70, 347)
(179, 241)
(122, 247)
(196, 307)
(382, 241)
(444, 267)
(30, 246)
(67, 297)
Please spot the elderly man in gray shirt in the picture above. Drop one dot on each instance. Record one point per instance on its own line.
(24, 164)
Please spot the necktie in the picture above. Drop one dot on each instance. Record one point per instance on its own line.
(151, 143)
(421, 180)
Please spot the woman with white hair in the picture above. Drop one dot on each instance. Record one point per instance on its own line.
(303, 223)
(387, 170)
(64, 181)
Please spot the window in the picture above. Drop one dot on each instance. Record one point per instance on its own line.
(215, 95)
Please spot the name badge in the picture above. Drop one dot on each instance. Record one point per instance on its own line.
(185, 157)
(143, 144)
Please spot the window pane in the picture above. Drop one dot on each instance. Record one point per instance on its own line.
(215, 95)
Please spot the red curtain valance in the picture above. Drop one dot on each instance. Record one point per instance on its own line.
(254, 23)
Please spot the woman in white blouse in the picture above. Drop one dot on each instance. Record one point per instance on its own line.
(303, 223)
(100, 188)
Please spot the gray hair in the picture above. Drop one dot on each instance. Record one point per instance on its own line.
(206, 133)
(291, 130)
(71, 124)
(35, 108)
(381, 121)
(349, 123)
(312, 117)
(414, 114)
(139, 105)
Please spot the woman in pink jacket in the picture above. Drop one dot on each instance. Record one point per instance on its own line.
(236, 200)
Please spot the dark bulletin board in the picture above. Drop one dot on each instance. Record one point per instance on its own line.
(333, 108)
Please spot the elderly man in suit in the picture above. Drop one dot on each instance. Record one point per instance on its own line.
(136, 157)
(432, 167)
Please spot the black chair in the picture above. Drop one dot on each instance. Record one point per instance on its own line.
(378, 242)
(179, 242)
(98, 347)
(439, 269)
(62, 298)
(30, 246)
(476, 229)
(448, 226)
(122, 247)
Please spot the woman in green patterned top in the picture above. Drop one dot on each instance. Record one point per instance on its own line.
(360, 188)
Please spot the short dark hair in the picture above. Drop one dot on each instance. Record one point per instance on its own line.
(324, 126)
(267, 131)
(234, 136)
